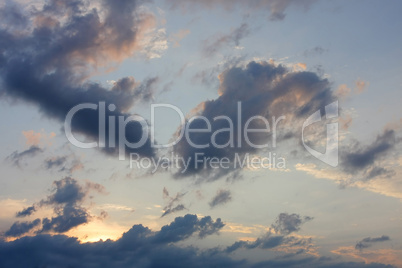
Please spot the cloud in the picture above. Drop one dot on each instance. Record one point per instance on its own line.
(368, 241)
(221, 197)
(289, 223)
(16, 157)
(375, 257)
(300, 66)
(374, 166)
(38, 138)
(116, 207)
(143, 248)
(66, 218)
(55, 162)
(66, 163)
(155, 44)
(20, 228)
(359, 157)
(324, 262)
(138, 247)
(26, 212)
(183, 227)
(67, 199)
(345, 121)
(66, 191)
(375, 171)
(178, 36)
(146, 91)
(103, 215)
(55, 73)
(264, 89)
(12, 16)
(276, 8)
(177, 208)
(279, 236)
(360, 85)
(210, 76)
(265, 242)
(171, 207)
(209, 227)
(388, 185)
(11, 207)
(210, 47)
(343, 91)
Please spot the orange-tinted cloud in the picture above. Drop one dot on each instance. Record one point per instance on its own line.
(299, 66)
(177, 37)
(41, 138)
(345, 121)
(387, 256)
(343, 91)
(360, 85)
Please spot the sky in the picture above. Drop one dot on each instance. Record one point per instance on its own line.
(201, 133)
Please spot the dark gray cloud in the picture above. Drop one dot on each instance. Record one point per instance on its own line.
(276, 8)
(49, 64)
(214, 44)
(12, 16)
(26, 212)
(138, 247)
(284, 225)
(171, 210)
(265, 242)
(289, 223)
(103, 215)
(146, 91)
(368, 241)
(16, 157)
(183, 227)
(67, 202)
(58, 161)
(322, 262)
(143, 92)
(67, 218)
(141, 247)
(20, 228)
(66, 191)
(221, 197)
(359, 157)
(264, 89)
(209, 227)
(173, 202)
(66, 163)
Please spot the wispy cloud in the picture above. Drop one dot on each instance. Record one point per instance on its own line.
(173, 203)
(221, 197)
(16, 157)
(276, 8)
(214, 44)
